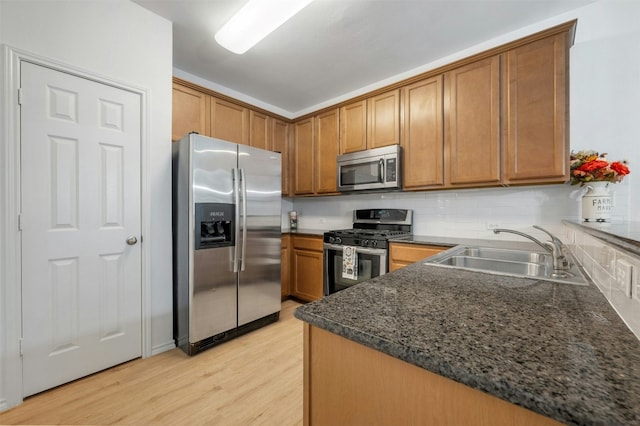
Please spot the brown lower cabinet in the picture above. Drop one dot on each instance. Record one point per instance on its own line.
(347, 383)
(403, 254)
(306, 267)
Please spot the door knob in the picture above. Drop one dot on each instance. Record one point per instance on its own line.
(132, 240)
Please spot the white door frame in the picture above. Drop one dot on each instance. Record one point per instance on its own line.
(10, 252)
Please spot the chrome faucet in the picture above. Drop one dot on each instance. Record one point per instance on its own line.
(555, 247)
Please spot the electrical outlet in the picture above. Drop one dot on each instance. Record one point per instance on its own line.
(624, 277)
(493, 225)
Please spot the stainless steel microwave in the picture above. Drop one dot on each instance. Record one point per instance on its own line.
(377, 168)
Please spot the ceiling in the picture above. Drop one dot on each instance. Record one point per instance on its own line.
(334, 47)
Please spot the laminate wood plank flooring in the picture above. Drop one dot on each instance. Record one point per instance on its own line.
(255, 379)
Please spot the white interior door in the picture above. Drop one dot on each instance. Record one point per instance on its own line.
(80, 201)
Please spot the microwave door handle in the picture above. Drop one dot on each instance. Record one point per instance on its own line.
(381, 170)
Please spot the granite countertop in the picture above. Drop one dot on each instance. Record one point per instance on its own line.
(557, 349)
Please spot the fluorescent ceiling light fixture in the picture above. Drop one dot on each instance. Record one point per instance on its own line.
(256, 20)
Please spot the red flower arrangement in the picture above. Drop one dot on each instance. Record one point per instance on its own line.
(589, 166)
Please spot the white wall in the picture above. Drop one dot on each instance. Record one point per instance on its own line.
(604, 104)
(121, 41)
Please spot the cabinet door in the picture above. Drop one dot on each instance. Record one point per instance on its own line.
(190, 112)
(229, 121)
(383, 119)
(259, 130)
(353, 127)
(307, 267)
(327, 135)
(401, 255)
(307, 274)
(422, 138)
(280, 143)
(537, 146)
(472, 123)
(303, 161)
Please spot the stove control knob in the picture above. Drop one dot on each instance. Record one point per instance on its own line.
(365, 243)
(338, 240)
(374, 243)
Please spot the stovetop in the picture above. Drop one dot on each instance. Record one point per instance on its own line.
(369, 233)
(373, 228)
(363, 237)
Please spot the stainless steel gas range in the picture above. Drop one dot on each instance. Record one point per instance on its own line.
(355, 255)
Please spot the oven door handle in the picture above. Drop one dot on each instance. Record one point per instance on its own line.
(363, 250)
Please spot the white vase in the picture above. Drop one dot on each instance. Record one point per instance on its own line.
(597, 202)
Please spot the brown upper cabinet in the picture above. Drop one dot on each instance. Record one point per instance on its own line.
(353, 127)
(383, 119)
(259, 130)
(198, 111)
(370, 123)
(536, 149)
(190, 112)
(229, 121)
(422, 135)
(315, 151)
(327, 142)
(472, 123)
(303, 157)
(279, 142)
(500, 117)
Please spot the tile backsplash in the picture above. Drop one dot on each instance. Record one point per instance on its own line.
(456, 213)
(608, 267)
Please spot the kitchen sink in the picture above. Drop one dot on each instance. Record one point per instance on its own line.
(506, 266)
(509, 262)
(507, 255)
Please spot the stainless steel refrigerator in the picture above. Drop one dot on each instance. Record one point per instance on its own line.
(226, 240)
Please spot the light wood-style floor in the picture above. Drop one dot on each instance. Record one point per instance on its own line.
(255, 379)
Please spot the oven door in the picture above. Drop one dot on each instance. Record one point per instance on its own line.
(371, 263)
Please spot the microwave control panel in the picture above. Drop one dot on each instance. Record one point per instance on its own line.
(391, 170)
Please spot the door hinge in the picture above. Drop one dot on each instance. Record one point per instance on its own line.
(20, 341)
(20, 96)
(19, 222)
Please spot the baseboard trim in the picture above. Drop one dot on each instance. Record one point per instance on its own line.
(163, 348)
(3, 405)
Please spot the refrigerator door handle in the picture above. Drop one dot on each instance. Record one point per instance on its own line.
(243, 182)
(236, 201)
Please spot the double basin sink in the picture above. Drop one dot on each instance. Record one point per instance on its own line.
(509, 262)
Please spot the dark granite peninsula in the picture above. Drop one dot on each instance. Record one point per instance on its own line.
(461, 343)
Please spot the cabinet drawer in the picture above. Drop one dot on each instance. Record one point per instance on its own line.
(307, 242)
(410, 253)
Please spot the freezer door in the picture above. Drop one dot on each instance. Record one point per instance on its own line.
(213, 281)
(259, 283)
(212, 163)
